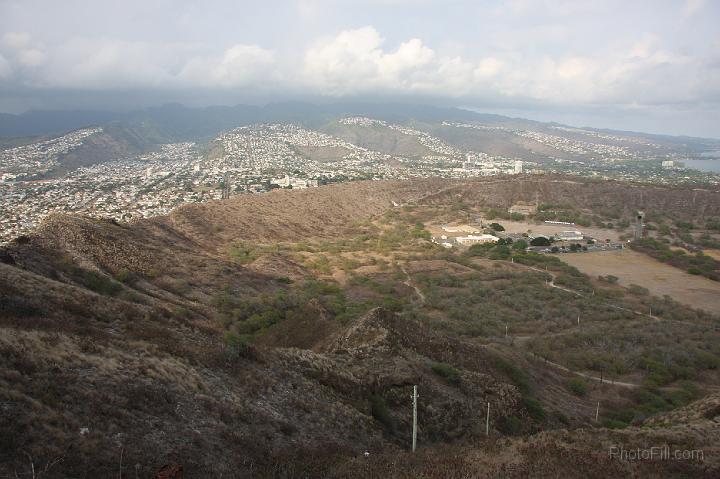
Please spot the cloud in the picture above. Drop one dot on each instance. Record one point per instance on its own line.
(691, 7)
(16, 40)
(5, 67)
(107, 64)
(354, 62)
(488, 67)
(638, 70)
(32, 57)
(357, 62)
(23, 49)
(239, 65)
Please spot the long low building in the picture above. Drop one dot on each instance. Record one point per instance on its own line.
(476, 239)
(570, 236)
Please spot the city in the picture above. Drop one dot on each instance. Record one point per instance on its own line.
(258, 158)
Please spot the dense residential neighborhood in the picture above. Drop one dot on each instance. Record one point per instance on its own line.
(261, 157)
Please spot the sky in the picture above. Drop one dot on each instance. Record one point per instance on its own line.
(645, 65)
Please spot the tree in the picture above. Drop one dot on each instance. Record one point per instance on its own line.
(540, 241)
(500, 252)
(520, 245)
(497, 227)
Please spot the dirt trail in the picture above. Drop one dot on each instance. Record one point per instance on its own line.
(586, 376)
(552, 284)
(409, 282)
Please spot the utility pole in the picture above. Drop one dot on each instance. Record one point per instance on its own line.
(578, 319)
(414, 431)
(487, 421)
(506, 330)
(597, 412)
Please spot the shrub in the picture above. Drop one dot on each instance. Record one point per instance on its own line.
(534, 408)
(638, 290)
(520, 245)
(126, 276)
(98, 282)
(236, 346)
(380, 411)
(479, 249)
(497, 227)
(515, 374)
(577, 386)
(510, 425)
(19, 306)
(447, 372)
(500, 252)
(614, 423)
(540, 241)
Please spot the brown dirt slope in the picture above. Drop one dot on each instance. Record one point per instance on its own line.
(111, 344)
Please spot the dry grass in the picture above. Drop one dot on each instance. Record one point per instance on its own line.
(660, 279)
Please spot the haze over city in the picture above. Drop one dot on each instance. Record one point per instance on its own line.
(650, 66)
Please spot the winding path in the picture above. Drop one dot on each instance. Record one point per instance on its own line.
(586, 376)
(552, 284)
(409, 282)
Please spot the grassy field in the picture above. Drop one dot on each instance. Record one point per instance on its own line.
(660, 279)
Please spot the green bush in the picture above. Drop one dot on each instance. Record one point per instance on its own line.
(515, 374)
(534, 408)
(520, 245)
(614, 423)
(98, 282)
(500, 252)
(447, 372)
(380, 411)
(577, 386)
(126, 276)
(540, 241)
(236, 346)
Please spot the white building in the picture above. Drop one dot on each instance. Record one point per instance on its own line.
(570, 235)
(518, 167)
(669, 164)
(296, 183)
(476, 239)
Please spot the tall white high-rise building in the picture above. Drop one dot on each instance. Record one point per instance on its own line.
(518, 167)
